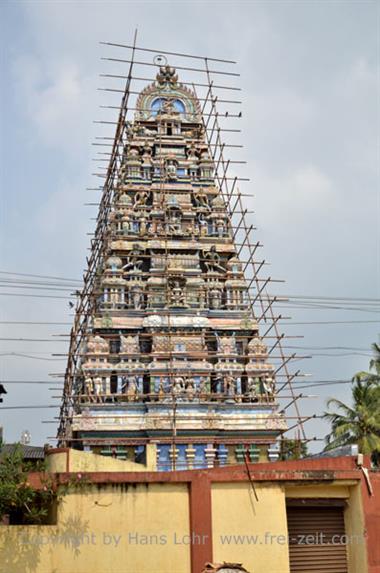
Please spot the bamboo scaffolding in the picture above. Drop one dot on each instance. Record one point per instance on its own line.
(86, 305)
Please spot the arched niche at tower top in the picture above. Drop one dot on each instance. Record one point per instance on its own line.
(159, 103)
(167, 96)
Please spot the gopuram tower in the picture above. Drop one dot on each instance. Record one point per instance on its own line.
(169, 355)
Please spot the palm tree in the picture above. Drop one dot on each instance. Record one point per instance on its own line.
(374, 366)
(359, 423)
(375, 362)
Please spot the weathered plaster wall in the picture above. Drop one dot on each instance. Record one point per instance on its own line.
(249, 531)
(356, 532)
(318, 491)
(371, 506)
(71, 460)
(115, 528)
(139, 522)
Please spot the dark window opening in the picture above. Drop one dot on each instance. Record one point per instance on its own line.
(114, 346)
(113, 383)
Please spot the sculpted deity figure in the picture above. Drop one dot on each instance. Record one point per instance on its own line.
(114, 296)
(132, 388)
(171, 169)
(203, 227)
(168, 107)
(227, 344)
(178, 386)
(268, 387)
(201, 199)
(98, 386)
(143, 226)
(177, 295)
(137, 297)
(215, 298)
(159, 228)
(140, 199)
(124, 384)
(229, 385)
(219, 382)
(126, 224)
(221, 227)
(189, 229)
(174, 222)
(190, 390)
(147, 152)
(202, 388)
(132, 130)
(212, 261)
(252, 389)
(196, 231)
(161, 390)
(114, 215)
(135, 260)
(152, 228)
(192, 154)
(89, 388)
(200, 132)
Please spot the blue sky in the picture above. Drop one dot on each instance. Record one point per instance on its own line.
(309, 73)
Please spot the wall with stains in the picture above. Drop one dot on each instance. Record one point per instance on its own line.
(175, 522)
(115, 528)
(250, 530)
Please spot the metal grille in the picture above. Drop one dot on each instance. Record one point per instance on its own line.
(317, 540)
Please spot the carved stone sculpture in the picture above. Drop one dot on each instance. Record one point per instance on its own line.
(135, 260)
(227, 344)
(201, 200)
(140, 199)
(178, 386)
(215, 298)
(129, 345)
(229, 385)
(212, 261)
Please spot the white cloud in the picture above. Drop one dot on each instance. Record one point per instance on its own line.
(281, 110)
(58, 100)
(310, 138)
(293, 196)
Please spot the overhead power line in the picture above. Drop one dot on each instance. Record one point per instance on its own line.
(21, 355)
(328, 322)
(24, 322)
(27, 407)
(39, 276)
(282, 304)
(291, 323)
(308, 384)
(299, 297)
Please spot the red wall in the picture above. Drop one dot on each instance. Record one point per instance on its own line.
(321, 470)
(371, 505)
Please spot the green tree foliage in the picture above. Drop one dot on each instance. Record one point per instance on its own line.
(17, 497)
(292, 449)
(358, 423)
(22, 502)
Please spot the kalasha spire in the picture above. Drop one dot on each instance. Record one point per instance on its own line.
(171, 356)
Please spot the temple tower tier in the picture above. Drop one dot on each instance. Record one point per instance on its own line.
(172, 357)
